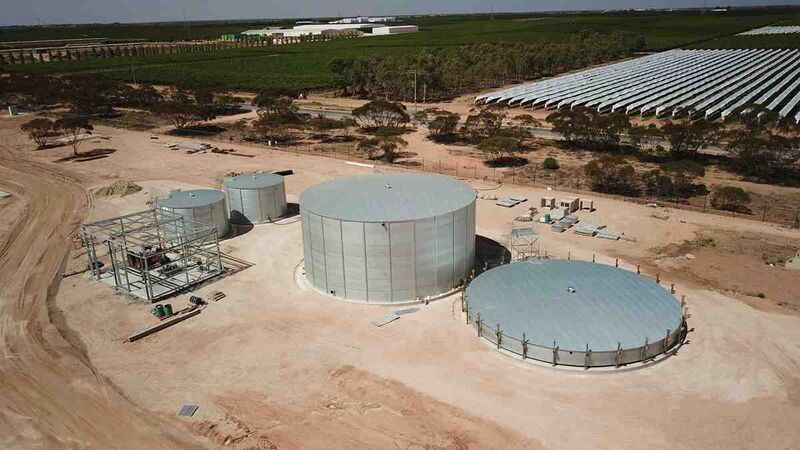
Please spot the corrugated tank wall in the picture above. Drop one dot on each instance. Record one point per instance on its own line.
(255, 206)
(214, 214)
(390, 262)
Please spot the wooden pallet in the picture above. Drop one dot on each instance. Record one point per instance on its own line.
(216, 296)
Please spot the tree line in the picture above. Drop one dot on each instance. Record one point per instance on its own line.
(756, 144)
(759, 144)
(446, 72)
(185, 104)
(42, 131)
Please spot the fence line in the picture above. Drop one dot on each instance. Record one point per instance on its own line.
(585, 358)
(130, 49)
(764, 212)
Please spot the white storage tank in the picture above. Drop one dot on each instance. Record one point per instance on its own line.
(254, 198)
(388, 238)
(206, 206)
(575, 313)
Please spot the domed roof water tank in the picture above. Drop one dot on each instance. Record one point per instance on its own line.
(388, 238)
(206, 206)
(254, 198)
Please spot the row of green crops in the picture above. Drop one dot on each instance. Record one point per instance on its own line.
(306, 65)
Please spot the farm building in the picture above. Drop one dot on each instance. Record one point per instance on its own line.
(679, 83)
(574, 313)
(311, 29)
(368, 28)
(387, 238)
(379, 31)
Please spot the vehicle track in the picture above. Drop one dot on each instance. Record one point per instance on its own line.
(50, 395)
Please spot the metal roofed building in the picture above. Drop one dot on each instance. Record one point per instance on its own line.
(388, 238)
(254, 198)
(398, 29)
(311, 29)
(574, 313)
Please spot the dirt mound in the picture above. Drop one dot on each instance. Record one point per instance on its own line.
(120, 188)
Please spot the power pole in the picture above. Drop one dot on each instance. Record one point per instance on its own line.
(415, 91)
(415, 88)
(133, 72)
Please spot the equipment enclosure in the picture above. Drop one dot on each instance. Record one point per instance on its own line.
(152, 254)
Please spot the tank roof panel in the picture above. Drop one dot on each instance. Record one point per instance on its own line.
(191, 199)
(387, 197)
(253, 181)
(574, 303)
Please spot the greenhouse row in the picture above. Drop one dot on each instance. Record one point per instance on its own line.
(696, 84)
(772, 30)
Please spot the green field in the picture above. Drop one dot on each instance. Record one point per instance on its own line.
(152, 32)
(661, 30)
(305, 65)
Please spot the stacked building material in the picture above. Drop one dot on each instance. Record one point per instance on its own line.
(588, 228)
(570, 220)
(571, 204)
(510, 202)
(607, 233)
(506, 203)
(558, 213)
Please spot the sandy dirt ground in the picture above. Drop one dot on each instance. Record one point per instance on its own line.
(50, 396)
(274, 365)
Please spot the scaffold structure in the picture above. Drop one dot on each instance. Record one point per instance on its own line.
(152, 254)
(523, 240)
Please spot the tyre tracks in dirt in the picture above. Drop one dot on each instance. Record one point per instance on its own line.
(50, 395)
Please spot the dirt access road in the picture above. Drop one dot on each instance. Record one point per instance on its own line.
(50, 397)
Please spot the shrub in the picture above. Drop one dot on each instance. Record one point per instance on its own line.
(39, 131)
(550, 164)
(73, 127)
(443, 126)
(611, 175)
(381, 113)
(730, 198)
(325, 124)
(657, 183)
(498, 146)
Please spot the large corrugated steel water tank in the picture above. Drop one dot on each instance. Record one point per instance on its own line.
(202, 205)
(388, 238)
(255, 198)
